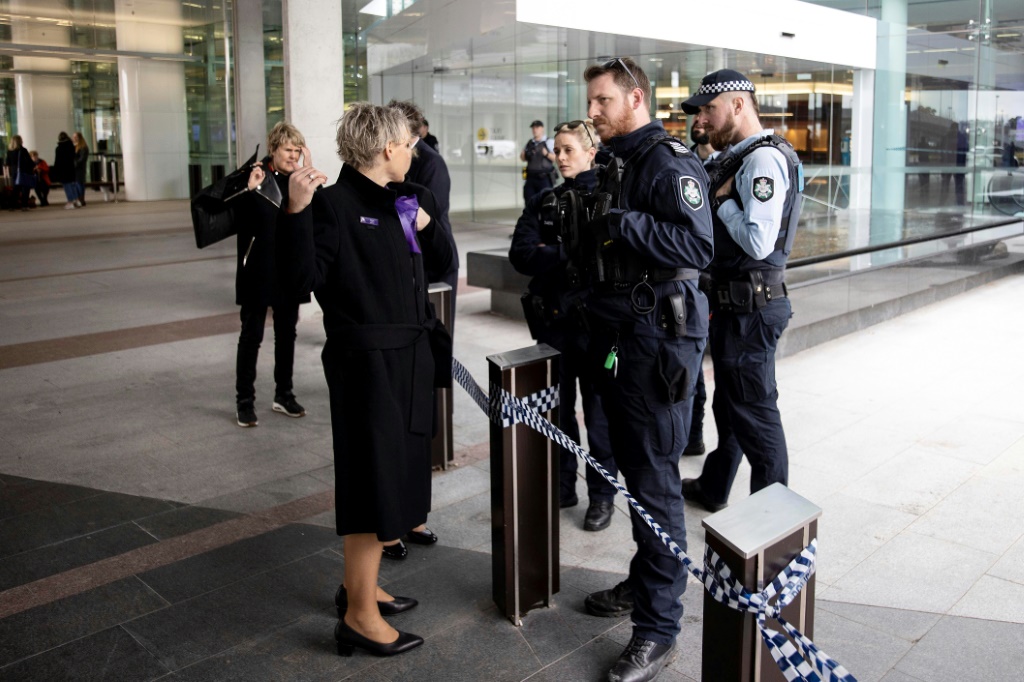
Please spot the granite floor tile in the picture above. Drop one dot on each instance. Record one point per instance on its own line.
(908, 625)
(22, 495)
(913, 481)
(550, 637)
(585, 664)
(867, 653)
(194, 630)
(183, 520)
(992, 599)
(912, 572)
(112, 654)
(211, 570)
(897, 676)
(45, 561)
(985, 514)
(465, 525)
(81, 517)
(483, 647)
(850, 530)
(270, 494)
(995, 652)
(50, 625)
(304, 650)
(1011, 565)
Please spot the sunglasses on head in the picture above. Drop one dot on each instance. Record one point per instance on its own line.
(618, 60)
(573, 125)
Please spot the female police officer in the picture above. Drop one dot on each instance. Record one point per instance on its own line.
(536, 251)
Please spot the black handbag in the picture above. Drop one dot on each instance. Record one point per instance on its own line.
(213, 212)
(21, 178)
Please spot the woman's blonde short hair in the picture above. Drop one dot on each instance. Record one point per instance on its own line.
(583, 130)
(283, 133)
(15, 142)
(365, 130)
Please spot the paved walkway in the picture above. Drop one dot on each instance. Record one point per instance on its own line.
(144, 536)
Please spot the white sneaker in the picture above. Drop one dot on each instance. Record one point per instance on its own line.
(78, 204)
(68, 207)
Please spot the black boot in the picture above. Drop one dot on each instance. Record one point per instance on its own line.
(641, 661)
(613, 603)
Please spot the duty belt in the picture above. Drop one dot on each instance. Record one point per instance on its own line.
(747, 294)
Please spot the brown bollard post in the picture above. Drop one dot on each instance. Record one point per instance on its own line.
(524, 488)
(757, 537)
(442, 450)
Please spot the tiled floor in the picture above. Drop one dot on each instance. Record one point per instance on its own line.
(144, 536)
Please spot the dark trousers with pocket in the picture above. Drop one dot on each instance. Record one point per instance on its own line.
(573, 369)
(746, 400)
(254, 319)
(535, 184)
(648, 402)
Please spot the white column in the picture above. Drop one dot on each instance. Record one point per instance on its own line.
(861, 148)
(250, 79)
(154, 124)
(314, 92)
(44, 101)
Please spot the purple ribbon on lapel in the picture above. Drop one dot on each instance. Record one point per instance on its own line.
(407, 208)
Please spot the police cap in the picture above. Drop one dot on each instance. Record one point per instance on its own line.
(714, 84)
(537, 124)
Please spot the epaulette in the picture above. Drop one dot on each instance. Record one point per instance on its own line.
(676, 146)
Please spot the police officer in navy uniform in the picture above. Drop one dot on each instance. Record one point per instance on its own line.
(648, 326)
(756, 203)
(539, 156)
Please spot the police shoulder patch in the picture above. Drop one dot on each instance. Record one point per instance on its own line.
(690, 191)
(763, 188)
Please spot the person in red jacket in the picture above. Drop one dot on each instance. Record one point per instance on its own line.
(42, 170)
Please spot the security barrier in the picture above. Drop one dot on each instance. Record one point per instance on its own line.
(796, 655)
(442, 449)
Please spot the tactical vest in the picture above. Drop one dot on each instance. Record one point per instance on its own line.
(624, 266)
(536, 162)
(730, 260)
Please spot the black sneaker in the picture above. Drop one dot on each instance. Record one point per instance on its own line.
(287, 405)
(641, 661)
(613, 603)
(246, 415)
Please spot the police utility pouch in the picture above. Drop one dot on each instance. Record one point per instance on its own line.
(534, 311)
(742, 296)
(677, 307)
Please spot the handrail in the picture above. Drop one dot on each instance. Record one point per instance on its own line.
(814, 260)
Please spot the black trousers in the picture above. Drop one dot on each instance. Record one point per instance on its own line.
(746, 400)
(535, 184)
(254, 319)
(43, 192)
(573, 368)
(700, 397)
(648, 402)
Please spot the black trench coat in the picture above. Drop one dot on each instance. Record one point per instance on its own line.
(350, 249)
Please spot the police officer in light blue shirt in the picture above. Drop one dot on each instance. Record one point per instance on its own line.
(755, 187)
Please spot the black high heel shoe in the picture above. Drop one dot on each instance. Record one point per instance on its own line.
(421, 537)
(387, 608)
(348, 639)
(397, 552)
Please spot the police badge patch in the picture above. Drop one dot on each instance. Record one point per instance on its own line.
(763, 189)
(689, 188)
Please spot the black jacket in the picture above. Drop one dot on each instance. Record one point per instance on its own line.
(350, 248)
(63, 169)
(258, 222)
(81, 163)
(19, 159)
(429, 169)
(659, 224)
(546, 264)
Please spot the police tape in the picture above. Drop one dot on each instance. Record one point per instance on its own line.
(804, 661)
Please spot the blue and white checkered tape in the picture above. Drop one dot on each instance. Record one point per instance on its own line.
(798, 659)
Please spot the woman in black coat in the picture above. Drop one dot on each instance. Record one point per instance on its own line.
(20, 170)
(256, 281)
(361, 246)
(63, 169)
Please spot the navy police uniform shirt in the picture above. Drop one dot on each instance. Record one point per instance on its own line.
(664, 215)
(762, 184)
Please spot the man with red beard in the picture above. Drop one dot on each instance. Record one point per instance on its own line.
(648, 327)
(756, 187)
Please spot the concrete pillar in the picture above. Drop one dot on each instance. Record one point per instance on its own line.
(314, 92)
(861, 147)
(154, 123)
(43, 100)
(250, 79)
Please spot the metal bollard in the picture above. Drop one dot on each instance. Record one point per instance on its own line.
(442, 450)
(524, 489)
(757, 537)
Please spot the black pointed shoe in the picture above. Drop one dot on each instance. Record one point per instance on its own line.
(397, 552)
(387, 608)
(421, 537)
(613, 603)
(641, 661)
(599, 516)
(348, 639)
